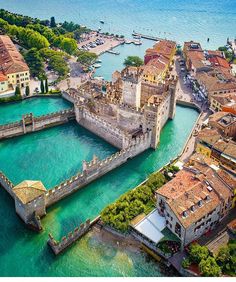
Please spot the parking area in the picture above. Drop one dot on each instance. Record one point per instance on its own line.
(98, 43)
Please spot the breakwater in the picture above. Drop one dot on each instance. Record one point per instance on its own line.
(29, 123)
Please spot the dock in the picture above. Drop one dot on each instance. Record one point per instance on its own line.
(150, 37)
(113, 52)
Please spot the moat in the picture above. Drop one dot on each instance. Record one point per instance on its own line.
(89, 257)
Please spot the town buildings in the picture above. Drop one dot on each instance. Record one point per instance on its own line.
(210, 143)
(210, 72)
(196, 199)
(224, 122)
(13, 69)
(158, 61)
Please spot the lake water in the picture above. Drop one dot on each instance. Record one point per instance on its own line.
(24, 253)
(90, 256)
(12, 112)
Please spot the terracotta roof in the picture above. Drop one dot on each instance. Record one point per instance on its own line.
(3, 77)
(230, 149)
(219, 61)
(190, 186)
(214, 82)
(163, 47)
(225, 98)
(29, 190)
(154, 67)
(11, 61)
(208, 135)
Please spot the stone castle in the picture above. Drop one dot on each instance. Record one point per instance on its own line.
(127, 112)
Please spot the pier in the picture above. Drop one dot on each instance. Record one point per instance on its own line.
(150, 37)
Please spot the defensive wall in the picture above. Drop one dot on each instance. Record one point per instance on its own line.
(101, 127)
(97, 168)
(29, 123)
(6, 183)
(66, 241)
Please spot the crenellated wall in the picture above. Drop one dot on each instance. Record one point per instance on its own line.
(71, 237)
(96, 168)
(101, 127)
(6, 184)
(29, 123)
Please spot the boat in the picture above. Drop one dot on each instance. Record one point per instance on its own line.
(96, 66)
(102, 22)
(137, 42)
(113, 52)
(99, 78)
(98, 61)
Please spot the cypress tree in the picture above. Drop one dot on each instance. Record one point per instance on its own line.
(27, 91)
(17, 91)
(42, 86)
(46, 86)
(52, 22)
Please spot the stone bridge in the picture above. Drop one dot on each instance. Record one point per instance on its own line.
(29, 123)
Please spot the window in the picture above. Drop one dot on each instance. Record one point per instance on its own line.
(200, 203)
(192, 208)
(185, 214)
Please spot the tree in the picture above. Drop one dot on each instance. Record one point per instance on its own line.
(156, 180)
(186, 263)
(35, 63)
(17, 91)
(53, 22)
(42, 86)
(133, 61)
(27, 91)
(86, 58)
(209, 267)
(198, 253)
(46, 85)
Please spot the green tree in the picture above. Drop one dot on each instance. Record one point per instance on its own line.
(133, 61)
(186, 263)
(35, 63)
(69, 45)
(155, 181)
(198, 253)
(52, 22)
(42, 86)
(209, 267)
(86, 58)
(17, 91)
(27, 90)
(46, 85)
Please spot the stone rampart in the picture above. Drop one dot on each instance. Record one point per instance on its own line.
(102, 128)
(97, 168)
(6, 184)
(71, 237)
(29, 123)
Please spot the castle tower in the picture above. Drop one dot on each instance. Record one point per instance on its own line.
(131, 89)
(153, 122)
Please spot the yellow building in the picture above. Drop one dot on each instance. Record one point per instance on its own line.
(12, 65)
(203, 150)
(156, 70)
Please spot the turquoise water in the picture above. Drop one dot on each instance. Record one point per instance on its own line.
(40, 152)
(180, 20)
(90, 256)
(12, 112)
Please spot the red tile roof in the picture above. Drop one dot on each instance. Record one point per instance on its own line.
(11, 61)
